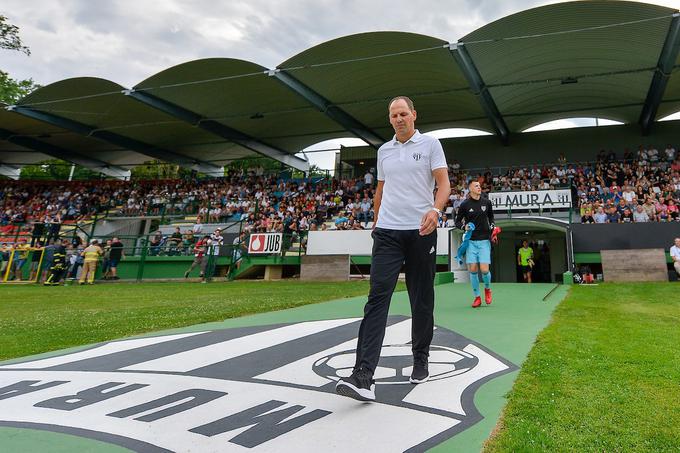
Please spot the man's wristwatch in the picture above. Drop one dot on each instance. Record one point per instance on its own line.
(438, 211)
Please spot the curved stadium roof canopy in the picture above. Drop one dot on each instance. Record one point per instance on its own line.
(610, 59)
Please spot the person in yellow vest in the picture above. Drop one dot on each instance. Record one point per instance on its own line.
(91, 256)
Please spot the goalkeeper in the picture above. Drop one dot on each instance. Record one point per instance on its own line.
(478, 211)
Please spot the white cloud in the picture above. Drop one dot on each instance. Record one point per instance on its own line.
(127, 41)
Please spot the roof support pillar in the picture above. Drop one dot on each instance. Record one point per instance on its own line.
(664, 68)
(218, 129)
(325, 106)
(479, 88)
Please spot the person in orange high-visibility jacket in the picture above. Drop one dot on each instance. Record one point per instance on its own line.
(91, 256)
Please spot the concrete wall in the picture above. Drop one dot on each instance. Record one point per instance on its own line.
(605, 236)
(325, 268)
(578, 144)
(357, 242)
(646, 265)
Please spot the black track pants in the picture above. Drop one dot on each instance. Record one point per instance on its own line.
(391, 249)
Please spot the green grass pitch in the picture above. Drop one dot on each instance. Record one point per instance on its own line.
(603, 376)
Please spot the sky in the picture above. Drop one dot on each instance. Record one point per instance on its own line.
(127, 41)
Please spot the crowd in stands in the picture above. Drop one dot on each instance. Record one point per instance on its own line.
(635, 187)
(642, 187)
(639, 186)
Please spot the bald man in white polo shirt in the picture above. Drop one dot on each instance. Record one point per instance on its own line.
(405, 232)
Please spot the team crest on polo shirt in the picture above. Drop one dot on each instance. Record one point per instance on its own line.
(417, 156)
(483, 208)
(259, 388)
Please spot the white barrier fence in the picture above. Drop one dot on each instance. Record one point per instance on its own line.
(360, 243)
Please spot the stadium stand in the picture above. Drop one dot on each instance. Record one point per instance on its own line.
(640, 187)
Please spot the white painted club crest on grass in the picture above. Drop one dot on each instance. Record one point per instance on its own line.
(258, 389)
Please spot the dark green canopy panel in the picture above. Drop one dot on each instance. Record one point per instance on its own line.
(609, 59)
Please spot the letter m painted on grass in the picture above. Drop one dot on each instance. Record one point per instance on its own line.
(265, 425)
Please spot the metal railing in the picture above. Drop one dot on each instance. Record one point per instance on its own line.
(139, 262)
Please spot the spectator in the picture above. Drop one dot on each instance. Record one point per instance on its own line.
(106, 260)
(76, 258)
(54, 228)
(600, 216)
(175, 241)
(628, 195)
(368, 179)
(673, 210)
(36, 261)
(613, 215)
(115, 256)
(640, 215)
(38, 231)
(587, 217)
(365, 213)
(217, 241)
(675, 255)
(189, 241)
(650, 209)
(627, 216)
(198, 226)
(4, 259)
(652, 153)
(18, 259)
(200, 258)
(155, 243)
(621, 206)
(239, 247)
(627, 155)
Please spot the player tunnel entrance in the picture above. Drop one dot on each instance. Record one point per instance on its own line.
(550, 240)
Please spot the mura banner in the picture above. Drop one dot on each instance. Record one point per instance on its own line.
(518, 201)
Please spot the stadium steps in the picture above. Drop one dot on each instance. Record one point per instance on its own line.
(246, 269)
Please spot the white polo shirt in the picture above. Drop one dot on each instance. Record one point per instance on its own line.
(406, 169)
(675, 251)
